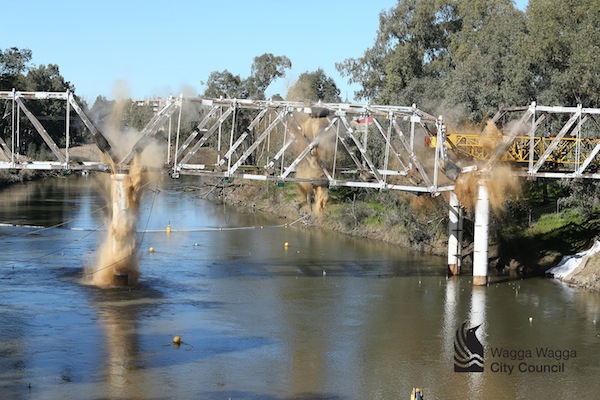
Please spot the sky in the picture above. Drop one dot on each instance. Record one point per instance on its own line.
(144, 49)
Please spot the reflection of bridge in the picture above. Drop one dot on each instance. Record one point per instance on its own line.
(330, 145)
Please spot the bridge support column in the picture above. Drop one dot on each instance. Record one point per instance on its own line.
(455, 232)
(119, 216)
(480, 254)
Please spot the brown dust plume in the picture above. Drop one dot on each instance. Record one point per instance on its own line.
(117, 256)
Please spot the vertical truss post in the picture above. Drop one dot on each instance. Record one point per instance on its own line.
(439, 148)
(12, 154)
(175, 168)
(67, 129)
(413, 120)
(578, 139)
(532, 137)
(169, 143)
(387, 146)
(233, 120)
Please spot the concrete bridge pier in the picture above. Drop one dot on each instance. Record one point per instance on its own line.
(455, 233)
(481, 233)
(119, 214)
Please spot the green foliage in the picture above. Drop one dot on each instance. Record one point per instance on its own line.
(265, 69)
(15, 72)
(562, 50)
(583, 197)
(476, 56)
(13, 64)
(314, 86)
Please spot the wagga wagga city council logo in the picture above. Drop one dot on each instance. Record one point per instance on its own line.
(469, 356)
(468, 350)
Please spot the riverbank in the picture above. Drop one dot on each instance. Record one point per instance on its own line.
(529, 253)
(359, 216)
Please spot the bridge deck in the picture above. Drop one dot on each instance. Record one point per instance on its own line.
(324, 144)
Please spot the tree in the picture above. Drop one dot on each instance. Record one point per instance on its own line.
(412, 44)
(487, 70)
(460, 54)
(562, 51)
(46, 78)
(13, 64)
(314, 86)
(225, 84)
(265, 69)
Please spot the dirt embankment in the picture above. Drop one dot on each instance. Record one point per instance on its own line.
(347, 217)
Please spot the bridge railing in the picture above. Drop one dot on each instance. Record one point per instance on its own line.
(320, 144)
(323, 144)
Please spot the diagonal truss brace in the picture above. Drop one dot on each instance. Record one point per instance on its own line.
(196, 131)
(309, 146)
(257, 142)
(392, 146)
(588, 160)
(101, 141)
(412, 155)
(566, 128)
(42, 131)
(152, 127)
(349, 132)
(207, 135)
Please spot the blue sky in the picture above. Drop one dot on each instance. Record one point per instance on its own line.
(157, 48)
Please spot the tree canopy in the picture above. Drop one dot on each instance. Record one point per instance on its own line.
(314, 86)
(16, 72)
(265, 69)
(477, 55)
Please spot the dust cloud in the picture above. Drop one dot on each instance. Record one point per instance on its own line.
(499, 180)
(310, 166)
(117, 260)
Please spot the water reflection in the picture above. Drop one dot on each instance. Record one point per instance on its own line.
(119, 318)
(261, 321)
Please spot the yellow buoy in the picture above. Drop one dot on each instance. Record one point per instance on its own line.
(177, 340)
(168, 228)
(151, 249)
(286, 244)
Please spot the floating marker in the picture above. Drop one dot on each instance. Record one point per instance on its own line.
(168, 228)
(151, 250)
(286, 244)
(177, 340)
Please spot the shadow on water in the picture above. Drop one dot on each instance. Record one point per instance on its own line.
(255, 396)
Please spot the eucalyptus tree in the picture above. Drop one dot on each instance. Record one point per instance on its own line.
(563, 51)
(13, 64)
(487, 69)
(314, 86)
(410, 53)
(265, 69)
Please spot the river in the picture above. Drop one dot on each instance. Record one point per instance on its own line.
(327, 317)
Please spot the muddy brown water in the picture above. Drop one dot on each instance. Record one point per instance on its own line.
(328, 317)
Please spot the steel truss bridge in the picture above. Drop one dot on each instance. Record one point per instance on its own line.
(323, 144)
